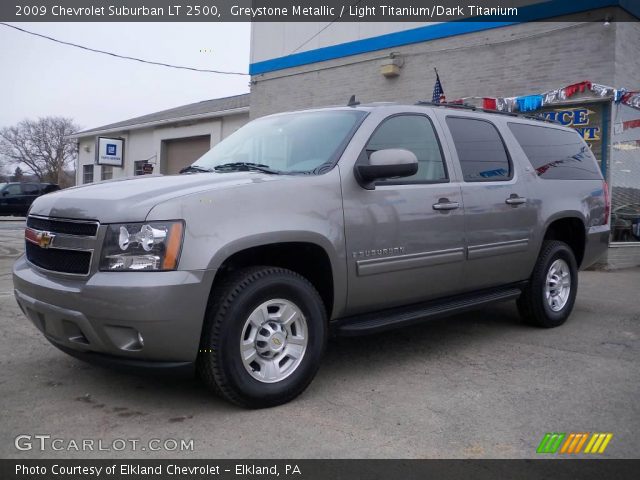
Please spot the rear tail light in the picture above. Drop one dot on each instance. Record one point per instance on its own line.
(607, 202)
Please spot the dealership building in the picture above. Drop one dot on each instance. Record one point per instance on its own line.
(578, 64)
(162, 142)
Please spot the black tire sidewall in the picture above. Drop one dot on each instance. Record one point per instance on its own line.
(283, 286)
(559, 251)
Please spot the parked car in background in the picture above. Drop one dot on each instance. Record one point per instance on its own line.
(625, 223)
(16, 198)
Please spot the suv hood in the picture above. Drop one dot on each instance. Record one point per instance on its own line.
(131, 199)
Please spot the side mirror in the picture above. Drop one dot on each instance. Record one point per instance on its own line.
(388, 163)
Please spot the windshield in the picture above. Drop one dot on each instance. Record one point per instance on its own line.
(293, 143)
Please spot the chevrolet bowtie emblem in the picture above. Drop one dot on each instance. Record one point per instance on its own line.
(42, 239)
(45, 239)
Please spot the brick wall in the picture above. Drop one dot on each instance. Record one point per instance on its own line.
(508, 61)
(627, 57)
(620, 255)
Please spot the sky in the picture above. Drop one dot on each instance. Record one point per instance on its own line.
(41, 78)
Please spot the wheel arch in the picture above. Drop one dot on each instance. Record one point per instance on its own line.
(569, 228)
(311, 255)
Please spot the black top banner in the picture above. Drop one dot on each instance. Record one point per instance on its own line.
(314, 10)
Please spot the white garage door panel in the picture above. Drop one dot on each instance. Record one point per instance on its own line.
(184, 151)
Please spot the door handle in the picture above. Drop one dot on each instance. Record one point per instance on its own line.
(515, 200)
(445, 204)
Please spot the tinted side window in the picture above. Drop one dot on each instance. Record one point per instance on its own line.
(482, 154)
(414, 133)
(30, 189)
(50, 188)
(556, 154)
(13, 189)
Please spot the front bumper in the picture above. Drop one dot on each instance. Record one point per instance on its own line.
(139, 317)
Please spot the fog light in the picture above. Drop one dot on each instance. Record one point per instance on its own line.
(125, 338)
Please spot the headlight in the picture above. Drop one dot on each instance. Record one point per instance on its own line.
(142, 246)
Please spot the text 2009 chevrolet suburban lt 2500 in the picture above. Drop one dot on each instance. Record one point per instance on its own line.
(348, 220)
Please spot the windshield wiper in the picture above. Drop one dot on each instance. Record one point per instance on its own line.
(195, 169)
(246, 166)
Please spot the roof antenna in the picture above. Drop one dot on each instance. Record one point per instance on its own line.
(353, 102)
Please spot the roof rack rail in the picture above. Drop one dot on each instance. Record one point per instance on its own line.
(467, 106)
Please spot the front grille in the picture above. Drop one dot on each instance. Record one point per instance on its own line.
(88, 229)
(65, 261)
(72, 244)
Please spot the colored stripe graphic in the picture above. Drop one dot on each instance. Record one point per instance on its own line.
(598, 443)
(550, 442)
(574, 442)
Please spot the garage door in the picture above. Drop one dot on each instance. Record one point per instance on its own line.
(182, 152)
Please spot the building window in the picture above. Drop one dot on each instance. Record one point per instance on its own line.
(482, 154)
(107, 172)
(87, 173)
(138, 167)
(624, 176)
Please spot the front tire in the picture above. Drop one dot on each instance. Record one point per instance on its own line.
(548, 299)
(264, 335)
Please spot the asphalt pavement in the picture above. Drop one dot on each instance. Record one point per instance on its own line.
(476, 385)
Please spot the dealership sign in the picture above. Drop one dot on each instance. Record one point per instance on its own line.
(110, 151)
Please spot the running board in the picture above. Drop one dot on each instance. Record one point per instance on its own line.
(408, 315)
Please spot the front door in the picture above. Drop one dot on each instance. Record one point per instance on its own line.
(405, 238)
(11, 199)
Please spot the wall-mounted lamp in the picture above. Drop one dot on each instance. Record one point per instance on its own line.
(87, 148)
(607, 21)
(390, 66)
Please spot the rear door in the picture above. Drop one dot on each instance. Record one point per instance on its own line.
(30, 191)
(405, 238)
(499, 218)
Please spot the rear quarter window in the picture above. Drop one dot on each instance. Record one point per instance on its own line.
(50, 188)
(556, 154)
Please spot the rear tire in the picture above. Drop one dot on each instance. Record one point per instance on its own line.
(264, 335)
(548, 299)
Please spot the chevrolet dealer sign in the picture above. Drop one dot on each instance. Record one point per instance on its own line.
(110, 151)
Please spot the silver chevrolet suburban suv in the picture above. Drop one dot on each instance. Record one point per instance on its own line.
(343, 220)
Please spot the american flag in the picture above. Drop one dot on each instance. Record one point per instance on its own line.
(438, 92)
